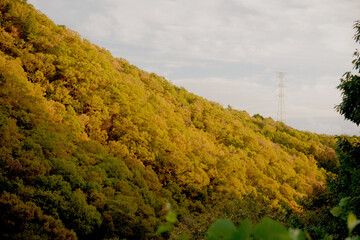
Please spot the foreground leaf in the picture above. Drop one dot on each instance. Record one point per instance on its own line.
(221, 229)
(352, 222)
(296, 234)
(335, 211)
(243, 230)
(268, 229)
(164, 228)
(171, 217)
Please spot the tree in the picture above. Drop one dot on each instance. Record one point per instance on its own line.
(346, 186)
(350, 86)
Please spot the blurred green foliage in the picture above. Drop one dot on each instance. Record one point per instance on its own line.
(268, 229)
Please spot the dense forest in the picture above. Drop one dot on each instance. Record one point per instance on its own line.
(93, 147)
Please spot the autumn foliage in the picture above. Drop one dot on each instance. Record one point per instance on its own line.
(93, 147)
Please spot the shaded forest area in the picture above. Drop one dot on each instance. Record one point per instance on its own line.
(94, 148)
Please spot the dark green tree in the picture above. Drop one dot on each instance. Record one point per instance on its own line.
(350, 86)
(346, 186)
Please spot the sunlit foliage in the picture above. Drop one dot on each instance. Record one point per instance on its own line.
(93, 147)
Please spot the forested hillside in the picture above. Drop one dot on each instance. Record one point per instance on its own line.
(93, 147)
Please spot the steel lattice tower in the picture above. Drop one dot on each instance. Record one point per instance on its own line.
(281, 97)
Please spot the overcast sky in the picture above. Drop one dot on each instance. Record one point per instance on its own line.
(230, 51)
